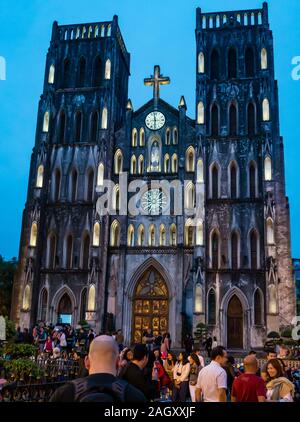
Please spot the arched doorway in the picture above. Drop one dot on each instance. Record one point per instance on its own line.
(235, 324)
(150, 305)
(65, 310)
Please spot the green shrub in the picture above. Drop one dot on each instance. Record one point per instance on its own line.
(16, 351)
(22, 369)
(286, 332)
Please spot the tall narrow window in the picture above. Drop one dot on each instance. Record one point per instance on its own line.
(198, 299)
(142, 137)
(51, 249)
(100, 175)
(175, 136)
(201, 64)
(90, 186)
(199, 234)
(162, 235)
(215, 250)
(26, 298)
(40, 176)
(92, 299)
(270, 232)
(78, 126)
(252, 180)
(190, 159)
(118, 162)
(232, 120)
(69, 251)
(211, 308)
(107, 69)
(253, 250)
(200, 171)
(86, 252)
(61, 127)
(46, 122)
(133, 165)
(174, 163)
(134, 137)
(97, 72)
(96, 234)
(258, 307)
(251, 119)
(116, 198)
(266, 110)
(233, 181)
(168, 136)
(232, 63)
(130, 235)
(189, 233)
(234, 251)
(152, 235)
(190, 196)
(33, 235)
(104, 120)
(268, 168)
(200, 113)
(66, 74)
(115, 233)
(167, 163)
(81, 72)
(141, 164)
(94, 126)
(214, 65)
(51, 76)
(74, 182)
(264, 59)
(215, 182)
(173, 235)
(215, 120)
(141, 235)
(57, 182)
(249, 62)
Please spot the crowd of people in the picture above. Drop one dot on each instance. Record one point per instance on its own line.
(153, 371)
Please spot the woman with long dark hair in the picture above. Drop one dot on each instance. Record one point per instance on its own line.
(279, 388)
(181, 374)
(194, 372)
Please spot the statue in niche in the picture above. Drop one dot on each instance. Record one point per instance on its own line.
(29, 270)
(269, 205)
(154, 157)
(271, 270)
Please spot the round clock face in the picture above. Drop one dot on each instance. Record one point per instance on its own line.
(155, 120)
(154, 201)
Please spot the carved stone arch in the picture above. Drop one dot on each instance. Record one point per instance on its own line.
(56, 301)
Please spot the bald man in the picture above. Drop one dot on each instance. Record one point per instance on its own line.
(102, 384)
(248, 387)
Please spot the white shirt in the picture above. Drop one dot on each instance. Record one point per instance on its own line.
(181, 372)
(210, 379)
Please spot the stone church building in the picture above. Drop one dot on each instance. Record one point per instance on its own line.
(198, 225)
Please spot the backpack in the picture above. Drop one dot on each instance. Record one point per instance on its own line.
(88, 391)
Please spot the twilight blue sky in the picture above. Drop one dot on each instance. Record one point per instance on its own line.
(155, 32)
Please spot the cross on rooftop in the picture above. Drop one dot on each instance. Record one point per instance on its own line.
(156, 80)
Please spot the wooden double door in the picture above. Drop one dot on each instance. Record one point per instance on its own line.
(235, 324)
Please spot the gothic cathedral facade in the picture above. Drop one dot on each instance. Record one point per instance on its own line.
(198, 223)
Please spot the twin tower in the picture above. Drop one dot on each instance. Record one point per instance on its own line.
(224, 261)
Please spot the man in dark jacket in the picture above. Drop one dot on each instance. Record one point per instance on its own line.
(134, 372)
(102, 384)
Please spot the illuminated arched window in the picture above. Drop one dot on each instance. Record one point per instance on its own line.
(100, 175)
(142, 137)
(174, 163)
(190, 196)
(51, 76)
(266, 110)
(130, 235)
(198, 299)
(173, 235)
(162, 235)
(264, 59)
(141, 235)
(175, 136)
(190, 159)
(270, 232)
(151, 239)
(116, 198)
(189, 233)
(272, 304)
(115, 233)
(109, 31)
(26, 298)
(104, 120)
(33, 235)
(199, 234)
(134, 137)
(141, 164)
(96, 234)
(167, 163)
(46, 122)
(107, 74)
(201, 64)
(168, 136)
(200, 171)
(200, 113)
(133, 165)
(268, 168)
(118, 162)
(92, 299)
(40, 176)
